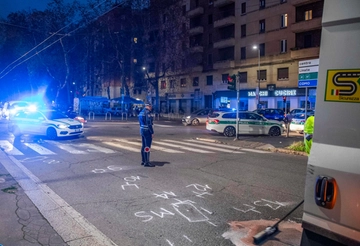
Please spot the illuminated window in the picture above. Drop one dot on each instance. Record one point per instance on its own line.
(135, 60)
(308, 15)
(135, 40)
(183, 82)
(163, 84)
(284, 20)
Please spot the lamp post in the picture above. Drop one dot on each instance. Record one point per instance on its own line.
(255, 47)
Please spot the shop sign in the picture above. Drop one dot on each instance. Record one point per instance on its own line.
(223, 99)
(285, 93)
(308, 73)
(262, 93)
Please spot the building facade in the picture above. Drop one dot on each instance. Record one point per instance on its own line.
(260, 41)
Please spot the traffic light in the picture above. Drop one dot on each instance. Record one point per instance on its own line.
(284, 99)
(232, 82)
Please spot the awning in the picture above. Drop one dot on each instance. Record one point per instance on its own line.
(127, 99)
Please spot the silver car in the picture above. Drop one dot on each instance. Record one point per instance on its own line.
(197, 117)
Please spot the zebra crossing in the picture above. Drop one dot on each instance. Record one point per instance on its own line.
(112, 146)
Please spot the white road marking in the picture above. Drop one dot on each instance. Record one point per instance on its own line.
(229, 146)
(97, 148)
(218, 148)
(9, 148)
(183, 147)
(71, 225)
(152, 147)
(39, 149)
(117, 145)
(165, 126)
(69, 148)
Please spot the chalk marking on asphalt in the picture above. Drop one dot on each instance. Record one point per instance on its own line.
(187, 238)
(9, 148)
(39, 149)
(207, 147)
(152, 147)
(67, 222)
(170, 243)
(230, 147)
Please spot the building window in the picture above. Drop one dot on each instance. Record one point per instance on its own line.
(135, 40)
(243, 53)
(262, 74)
(209, 80)
(308, 15)
(243, 31)
(262, 49)
(210, 19)
(283, 46)
(163, 84)
(284, 20)
(224, 78)
(243, 8)
(262, 4)
(210, 38)
(283, 73)
(172, 84)
(196, 81)
(184, 28)
(210, 60)
(243, 77)
(262, 26)
(184, 10)
(183, 83)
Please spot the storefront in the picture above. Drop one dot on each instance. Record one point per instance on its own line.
(285, 98)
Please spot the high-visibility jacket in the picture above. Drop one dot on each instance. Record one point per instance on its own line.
(309, 125)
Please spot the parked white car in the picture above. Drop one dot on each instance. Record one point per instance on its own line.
(50, 123)
(249, 123)
(298, 122)
(12, 107)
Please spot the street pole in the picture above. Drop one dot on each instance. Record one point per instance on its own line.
(237, 106)
(258, 76)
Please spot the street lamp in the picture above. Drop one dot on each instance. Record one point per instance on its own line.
(255, 47)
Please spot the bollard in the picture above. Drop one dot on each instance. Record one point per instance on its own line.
(106, 116)
(287, 129)
(93, 115)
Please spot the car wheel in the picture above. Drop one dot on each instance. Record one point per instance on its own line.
(229, 131)
(195, 122)
(274, 131)
(51, 133)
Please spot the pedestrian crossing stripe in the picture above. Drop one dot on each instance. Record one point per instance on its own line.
(9, 148)
(152, 147)
(229, 147)
(166, 145)
(217, 148)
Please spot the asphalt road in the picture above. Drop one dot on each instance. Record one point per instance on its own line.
(93, 189)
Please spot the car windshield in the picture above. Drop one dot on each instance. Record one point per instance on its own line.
(53, 115)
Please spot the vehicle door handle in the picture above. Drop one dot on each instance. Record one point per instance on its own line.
(325, 192)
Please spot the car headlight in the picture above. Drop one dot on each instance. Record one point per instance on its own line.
(62, 126)
(188, 117)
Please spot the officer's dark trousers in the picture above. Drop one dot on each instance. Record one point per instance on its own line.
(146, 143)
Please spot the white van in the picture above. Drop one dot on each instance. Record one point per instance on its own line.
(10, 108)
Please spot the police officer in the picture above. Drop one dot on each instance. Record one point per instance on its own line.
(146, 132)
(309, 131)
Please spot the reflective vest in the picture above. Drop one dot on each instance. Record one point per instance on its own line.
(309, 125)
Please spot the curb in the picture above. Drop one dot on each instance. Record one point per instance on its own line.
(266, 147)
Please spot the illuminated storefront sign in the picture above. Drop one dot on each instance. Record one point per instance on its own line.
(262, 93)
(285, 93)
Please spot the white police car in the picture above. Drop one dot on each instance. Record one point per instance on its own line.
(49, 123)
(249, 123)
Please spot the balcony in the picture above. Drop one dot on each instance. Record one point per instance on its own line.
(224, 64)
(195, 12)
(196, 49)
(305, 53)
(230, 20)
(302, 2)
(219, 3)
(224, 43)
(196, 30)
(305, 26)
(197, 68)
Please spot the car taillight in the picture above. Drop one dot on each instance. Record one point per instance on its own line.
(216, 121)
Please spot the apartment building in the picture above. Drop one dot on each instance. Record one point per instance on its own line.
(223, 35)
